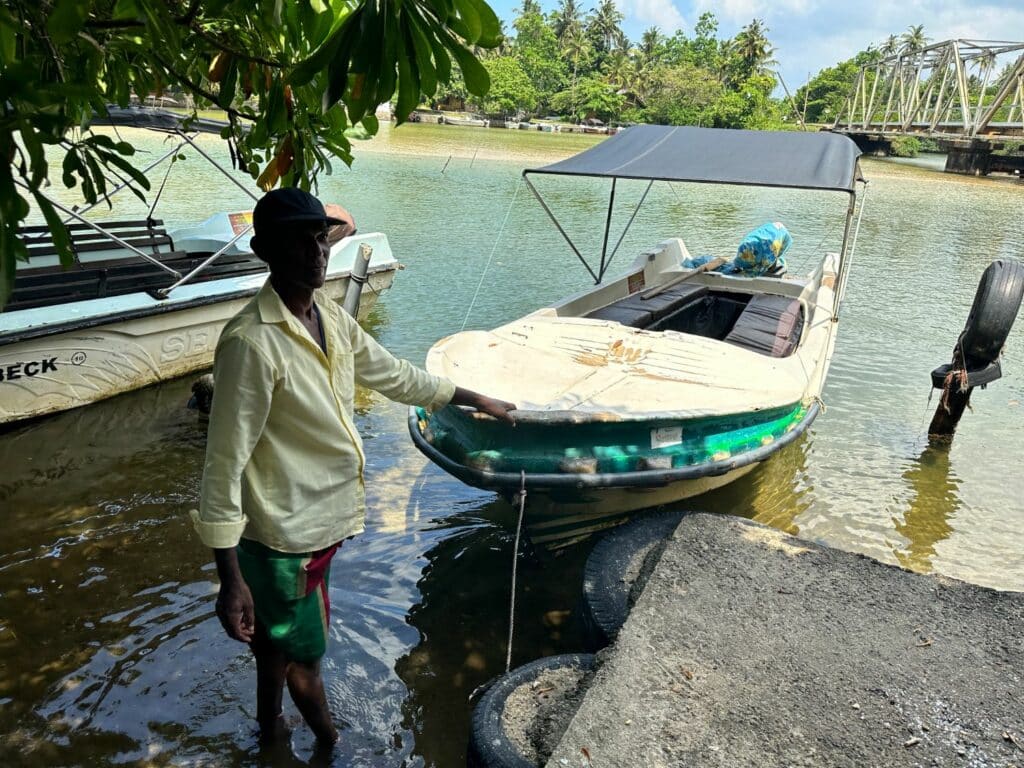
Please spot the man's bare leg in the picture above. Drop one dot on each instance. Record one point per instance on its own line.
(271, 668)
(307, 690)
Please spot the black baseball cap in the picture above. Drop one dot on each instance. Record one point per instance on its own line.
(289, 205)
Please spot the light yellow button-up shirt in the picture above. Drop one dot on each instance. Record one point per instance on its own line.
(284, 462)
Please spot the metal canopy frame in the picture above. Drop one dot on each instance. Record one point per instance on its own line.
(606, 258)
(854, 212)
(76, 214)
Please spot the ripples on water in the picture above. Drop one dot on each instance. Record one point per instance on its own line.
(109, 650)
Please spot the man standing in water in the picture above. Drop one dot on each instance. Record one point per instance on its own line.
(283, 481)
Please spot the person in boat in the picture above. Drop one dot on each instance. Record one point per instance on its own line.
(282, 485)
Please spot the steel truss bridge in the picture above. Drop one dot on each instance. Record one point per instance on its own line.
(966, 94)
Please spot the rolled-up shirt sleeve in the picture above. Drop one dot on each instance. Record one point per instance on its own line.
(396, 379)
(244, 382)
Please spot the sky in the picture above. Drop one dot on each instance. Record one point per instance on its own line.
(812, 34)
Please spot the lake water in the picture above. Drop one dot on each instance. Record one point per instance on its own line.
(109, 649)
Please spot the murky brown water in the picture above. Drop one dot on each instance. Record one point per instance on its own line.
(109, 650)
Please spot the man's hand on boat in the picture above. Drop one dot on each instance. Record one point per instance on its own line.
(499, 409)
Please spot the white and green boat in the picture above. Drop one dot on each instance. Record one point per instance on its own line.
(668, 381)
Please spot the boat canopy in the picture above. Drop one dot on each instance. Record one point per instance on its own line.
(821, 160)
(156, 120)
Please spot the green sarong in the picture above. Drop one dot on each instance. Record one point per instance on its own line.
(289, 593)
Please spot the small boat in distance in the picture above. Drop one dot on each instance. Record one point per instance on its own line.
(140, 304)
(471, 122)
(669, 381)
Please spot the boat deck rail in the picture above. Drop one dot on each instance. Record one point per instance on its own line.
(97, 277)
(147, 235)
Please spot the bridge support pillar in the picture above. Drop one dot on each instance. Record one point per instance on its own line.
(974, 159)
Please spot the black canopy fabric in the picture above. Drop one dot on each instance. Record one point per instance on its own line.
(719, 156)
(155, 120)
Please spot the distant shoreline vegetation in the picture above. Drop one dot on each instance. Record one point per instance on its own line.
(576, 66)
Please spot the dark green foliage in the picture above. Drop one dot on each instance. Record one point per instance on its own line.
(905, 146)
(827, 92)
(291, 75)
(581, 65)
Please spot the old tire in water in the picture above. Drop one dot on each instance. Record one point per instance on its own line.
(490, 743)
(623, 556)
(995, 307)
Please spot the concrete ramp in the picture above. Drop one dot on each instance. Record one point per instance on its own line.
(749, 647)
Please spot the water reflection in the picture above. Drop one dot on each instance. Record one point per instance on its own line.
(462, 618)
(934, 502)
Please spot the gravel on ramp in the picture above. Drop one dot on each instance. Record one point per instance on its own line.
(749, 647)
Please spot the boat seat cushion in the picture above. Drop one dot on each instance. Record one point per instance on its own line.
(770, 325)
(636, 312)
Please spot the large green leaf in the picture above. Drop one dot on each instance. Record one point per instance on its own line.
(490, 26)
(416, 39)
(467, 23)
(59, 232)
(323, 56)
(67, 19)
(473, 72)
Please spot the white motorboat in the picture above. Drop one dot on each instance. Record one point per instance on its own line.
(140, 304)
(470, 122)
(669, 381)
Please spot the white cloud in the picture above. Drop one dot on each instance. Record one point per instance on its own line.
(837, 31)
(659, 13)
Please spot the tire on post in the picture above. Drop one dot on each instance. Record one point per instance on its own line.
(995, 307)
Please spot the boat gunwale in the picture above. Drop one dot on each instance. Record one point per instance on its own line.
(636, 479)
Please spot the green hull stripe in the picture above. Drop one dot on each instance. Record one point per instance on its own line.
(604, 447)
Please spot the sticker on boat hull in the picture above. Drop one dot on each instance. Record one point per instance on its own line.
(664, 437)
(635, 282)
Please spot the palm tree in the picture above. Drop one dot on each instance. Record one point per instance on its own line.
(890, 46)
(530, 7)
(568, 18)
(605, 24)
(576, 46)
(620, 71)
(913, 39)
(650, 41)
(753, 47)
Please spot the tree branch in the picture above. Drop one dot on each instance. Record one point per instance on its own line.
(196, 87)
(190, 15)
(114, 24)
(212, 40)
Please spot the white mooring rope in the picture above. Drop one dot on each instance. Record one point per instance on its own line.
(490, 258)
(515, 561)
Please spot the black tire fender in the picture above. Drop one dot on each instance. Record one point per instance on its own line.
(995, 307)
(489, 744)
(607, 588)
